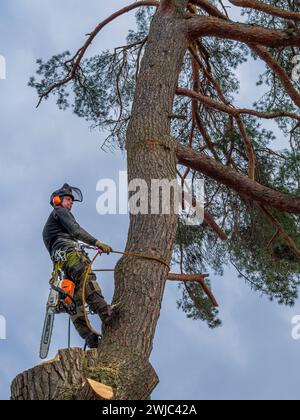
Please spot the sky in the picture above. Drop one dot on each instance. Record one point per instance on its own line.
(253, 356)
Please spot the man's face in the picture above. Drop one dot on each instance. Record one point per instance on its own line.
(67, 202)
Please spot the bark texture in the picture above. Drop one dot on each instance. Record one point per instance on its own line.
(151, 155)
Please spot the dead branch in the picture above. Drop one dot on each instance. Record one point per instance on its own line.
(81, 52)
(245, 136)
(197, 278)
(138, 58)
(129, 46)
(200, 278)
(233, 111)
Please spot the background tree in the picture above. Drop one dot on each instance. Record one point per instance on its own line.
(167, 98)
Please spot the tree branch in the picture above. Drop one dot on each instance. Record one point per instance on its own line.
(200, 26)
(209, 8)
(267, 8)
(81, 52)
(233, 111)
(280, 229)
(196, 64)
(278, 70)
(206, 137)
(208, 75)
(207, 216)
(242, 184)
(214, 226)
(247, 141)
(261, 52)
(198, 278)
(249, 147)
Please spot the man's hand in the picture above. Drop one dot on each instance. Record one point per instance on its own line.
(105, 248)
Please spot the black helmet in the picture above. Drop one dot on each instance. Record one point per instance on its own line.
(67, 190)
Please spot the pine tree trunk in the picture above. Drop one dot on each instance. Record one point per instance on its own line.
(123, 357)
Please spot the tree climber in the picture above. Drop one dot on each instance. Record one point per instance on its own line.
(61, 235)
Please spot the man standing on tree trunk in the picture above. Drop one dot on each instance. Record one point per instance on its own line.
(61, 235)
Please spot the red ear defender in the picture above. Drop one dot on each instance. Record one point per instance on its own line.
(56, 200)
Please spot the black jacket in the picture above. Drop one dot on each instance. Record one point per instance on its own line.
(62, 230)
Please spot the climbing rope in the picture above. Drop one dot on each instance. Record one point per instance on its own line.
(89, 270)
(85, 280)
(145, 257)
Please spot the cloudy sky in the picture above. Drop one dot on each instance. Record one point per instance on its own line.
(253, 356)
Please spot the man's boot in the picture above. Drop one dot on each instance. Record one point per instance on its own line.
(92, 341)
(109, 314)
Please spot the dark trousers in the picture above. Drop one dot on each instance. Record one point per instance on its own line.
(75, 268)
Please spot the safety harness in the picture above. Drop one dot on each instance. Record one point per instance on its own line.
(58, 260)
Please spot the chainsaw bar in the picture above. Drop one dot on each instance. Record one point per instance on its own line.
(52, 303)
(47, 334)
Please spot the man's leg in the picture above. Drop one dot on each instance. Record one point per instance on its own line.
(75, 269)
(80, 324)
(95, 299)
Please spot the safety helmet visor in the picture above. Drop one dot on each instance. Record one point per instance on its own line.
(67, 190)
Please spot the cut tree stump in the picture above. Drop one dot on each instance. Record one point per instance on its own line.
(78, 375)
(93, 390)
(60, 378)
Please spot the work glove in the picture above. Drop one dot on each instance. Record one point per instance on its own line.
(105, 248)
